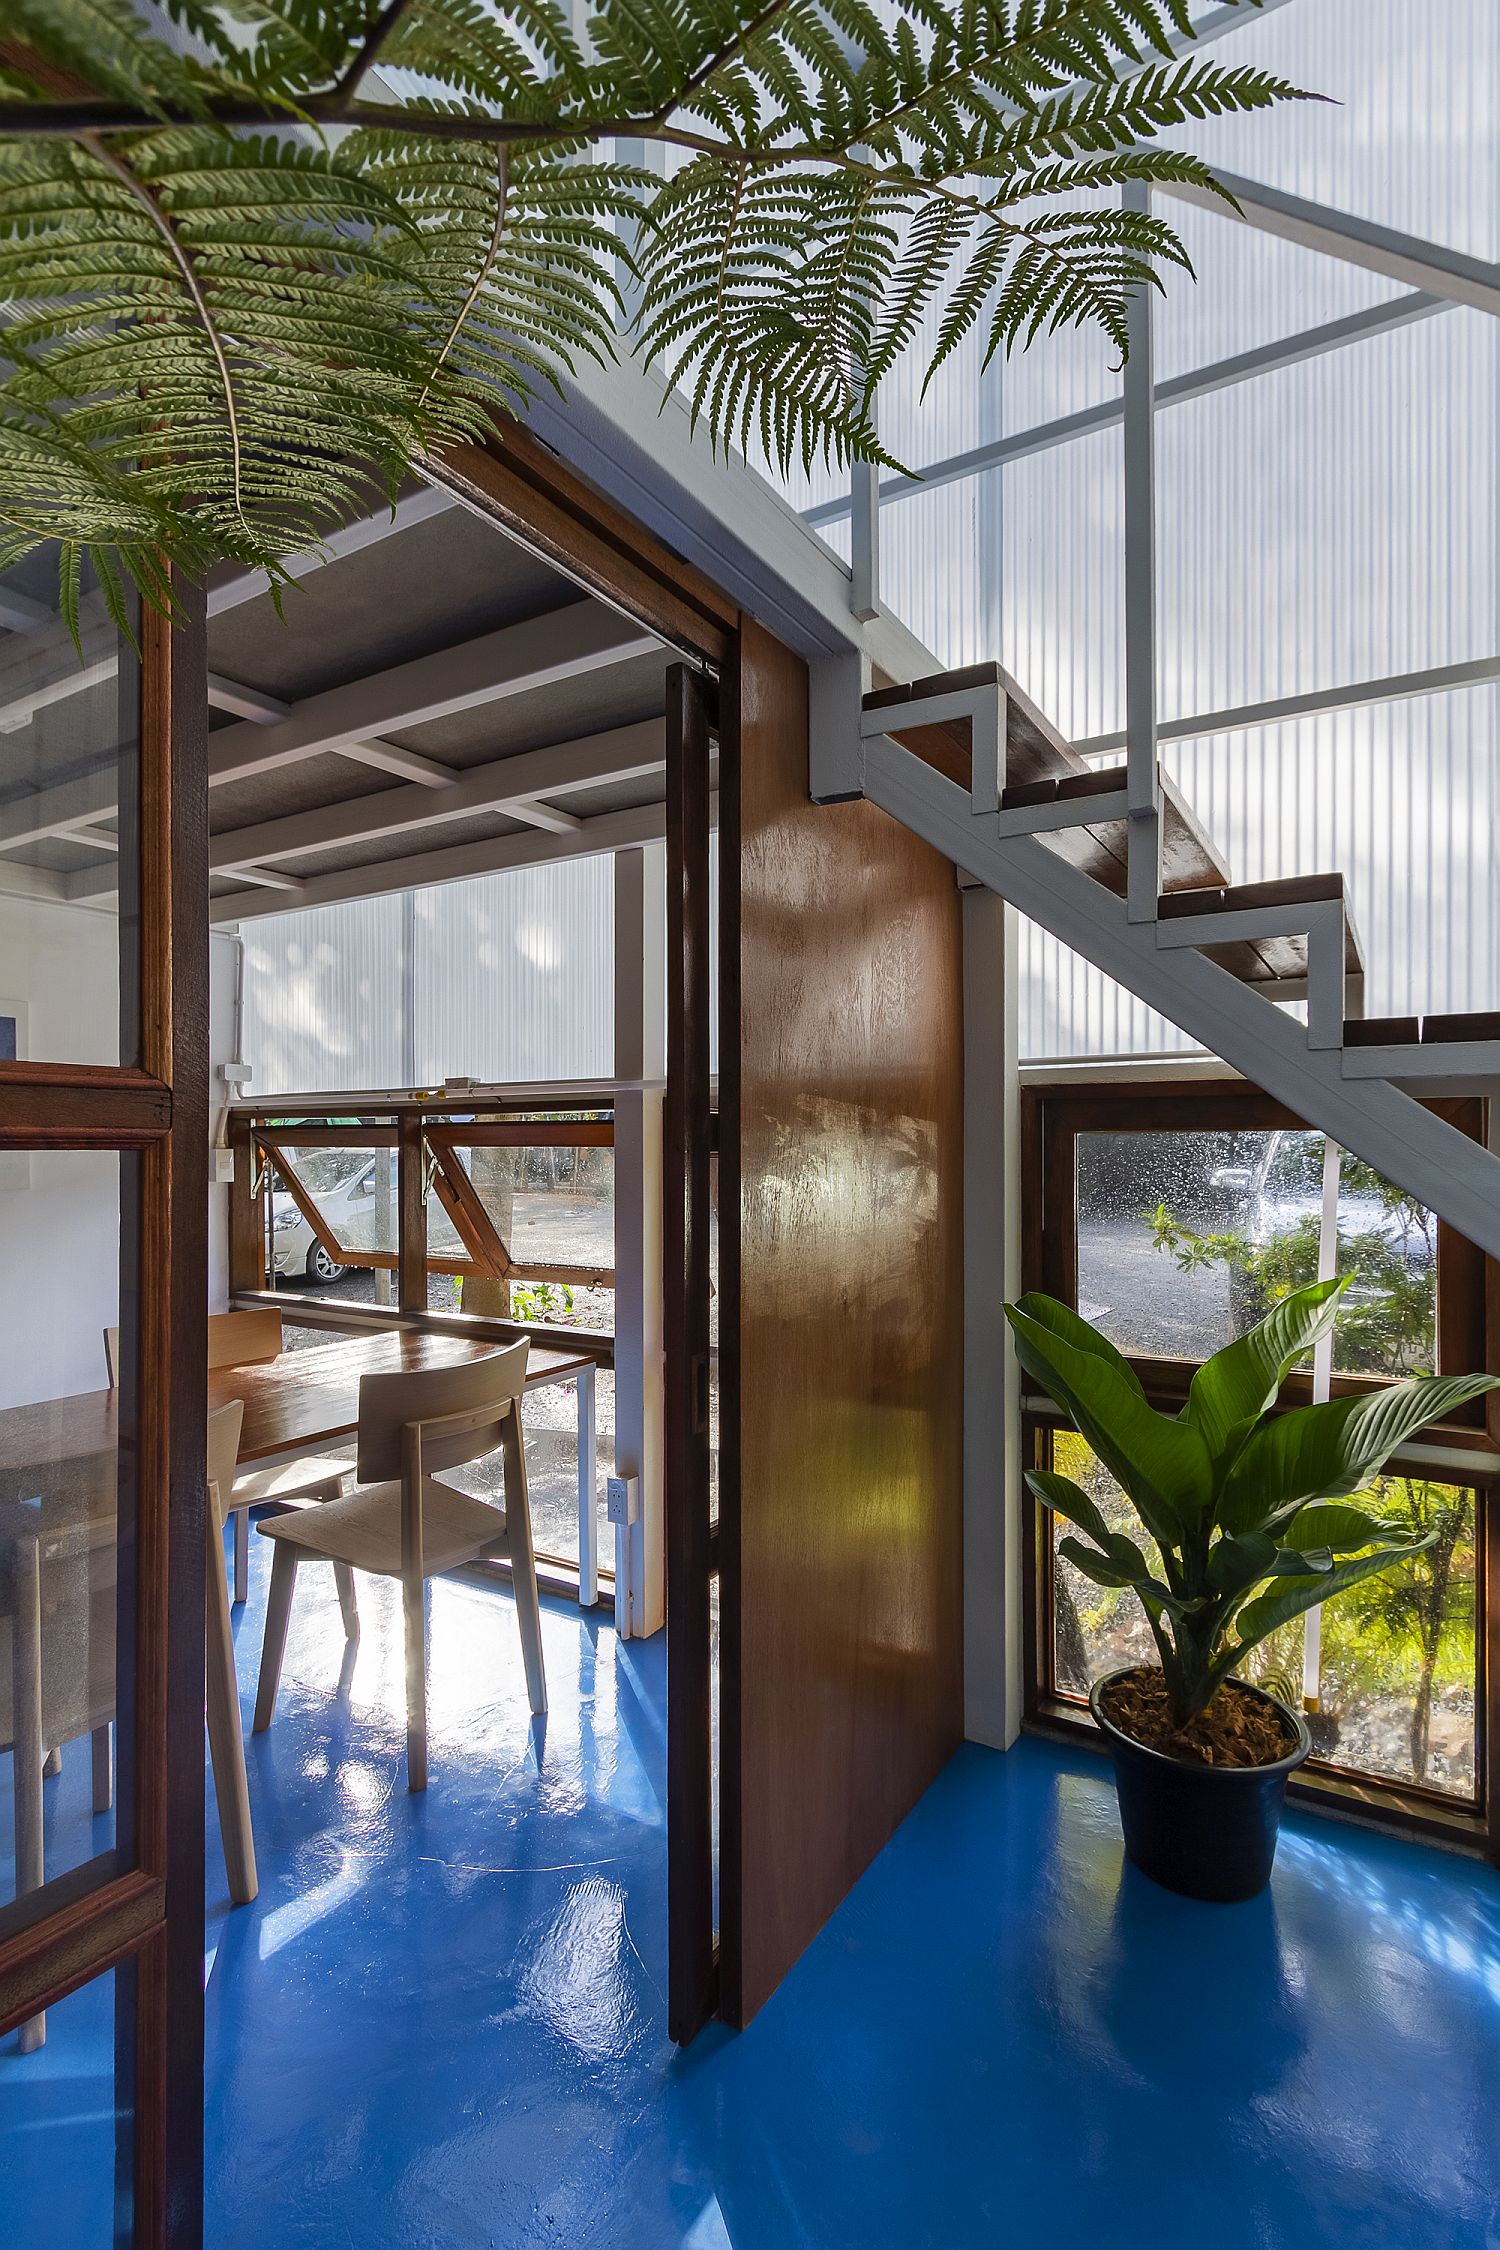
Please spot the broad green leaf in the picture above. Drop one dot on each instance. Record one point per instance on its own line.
(1061, 1321)
(1161, 1463)
(1344, 1530)
(1231, 1390)
(1122, 1565)
(1286, 1598)
(1069, 1500)
(1328, 1451)
(1242, 1561)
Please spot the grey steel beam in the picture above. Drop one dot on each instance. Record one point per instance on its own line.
(1406, 258)
(1241, 367)
(1398, 687)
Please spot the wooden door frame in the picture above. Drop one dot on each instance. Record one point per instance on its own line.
(146, 1920)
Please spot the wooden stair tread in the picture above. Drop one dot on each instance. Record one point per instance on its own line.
(1480, 1027)
(1039, 759)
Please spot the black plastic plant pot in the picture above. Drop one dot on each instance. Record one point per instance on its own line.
(1204, 1831)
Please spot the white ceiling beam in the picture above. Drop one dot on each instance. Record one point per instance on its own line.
(32, 882)
(265, 879)
(368, 531)
(245, 702)
(408, 765)
(1406, 258)
(551, 817)
(558, 646)
(387, 757)
(512, 786)
(516, 660)
(20, 614)
(606, 832)
(97, 839)
(593, 761)
(23, 708)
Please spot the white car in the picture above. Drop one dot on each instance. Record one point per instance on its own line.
(355, 1191)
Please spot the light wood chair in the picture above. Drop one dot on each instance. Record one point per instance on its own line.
(400, 1523)
(226, 1746)
(246, 1339)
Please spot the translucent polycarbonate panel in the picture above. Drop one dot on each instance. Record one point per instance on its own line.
(1184, 1238)
(1068, 373)
(1248, 289)
(512, 975)
(69, 1276)
(1403, 797)
(954, 608)
(1314, 531)
(322, 999)
(1398, 1654)
(65, 2122)
(1063, 582)
(1407, 135)
(69, 756)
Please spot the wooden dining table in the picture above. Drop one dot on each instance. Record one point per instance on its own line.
(58, 1486)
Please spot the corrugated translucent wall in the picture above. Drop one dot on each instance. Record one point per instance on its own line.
(505, 977)
(1321, 524)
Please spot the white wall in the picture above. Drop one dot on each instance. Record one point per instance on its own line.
(60, 1211)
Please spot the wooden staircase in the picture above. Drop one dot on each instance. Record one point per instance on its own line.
(1116, 866)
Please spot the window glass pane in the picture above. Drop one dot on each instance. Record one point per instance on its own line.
(1186, 1239)
(1398, 1652)
(552, 1205)
(59, 2124)
(1388, 1251)
(1399, 1657)
(1095, 1628)
(67, 1440)
(353, 1191)
(67, 789)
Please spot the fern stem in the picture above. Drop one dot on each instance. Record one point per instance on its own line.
(369, 49)
(722, 55)
(486, 268)
(164, 227)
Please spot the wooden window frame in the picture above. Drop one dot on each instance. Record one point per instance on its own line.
(145, 1921)
(1468, 1335)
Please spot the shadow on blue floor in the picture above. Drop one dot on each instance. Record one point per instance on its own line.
(440, 2025)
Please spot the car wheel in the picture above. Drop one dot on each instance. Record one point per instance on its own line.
(320, 1267)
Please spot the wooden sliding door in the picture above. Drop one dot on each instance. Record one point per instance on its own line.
(841, 1329)
(103, 1218)
(687, 1129)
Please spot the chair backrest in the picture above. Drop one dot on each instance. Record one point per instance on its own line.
(235, 1339)
(223, 1457)
(488, 1389)
(112, 1357)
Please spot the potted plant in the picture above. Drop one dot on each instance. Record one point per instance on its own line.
(1246, 1511)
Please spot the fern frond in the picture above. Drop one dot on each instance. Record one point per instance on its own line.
(245, 274)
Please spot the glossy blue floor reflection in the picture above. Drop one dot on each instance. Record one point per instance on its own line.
(441, 2023)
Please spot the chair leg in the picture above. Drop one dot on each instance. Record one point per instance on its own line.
(27, 1757)
(523, 1564)
(343, 1578)
(104, 1768)
(241, 1522)
(225, 1742)
(414, 1606)
(273, 1648)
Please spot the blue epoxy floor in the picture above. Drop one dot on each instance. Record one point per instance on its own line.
(441, 2023)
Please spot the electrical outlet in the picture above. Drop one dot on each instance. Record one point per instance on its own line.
(223, 1167)
(622, 1496)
